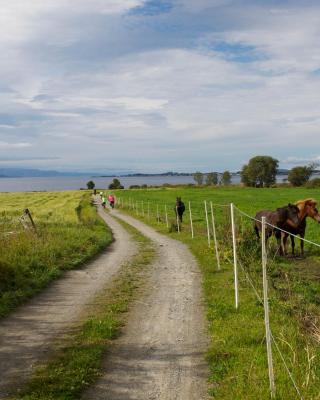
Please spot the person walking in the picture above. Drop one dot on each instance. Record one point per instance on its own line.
(111, 200)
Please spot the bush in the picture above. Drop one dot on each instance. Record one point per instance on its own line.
(260, 172)
(91, 185)
(313, 184)
(115, 184)
(299, 176)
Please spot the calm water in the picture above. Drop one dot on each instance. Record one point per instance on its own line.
(75, 183)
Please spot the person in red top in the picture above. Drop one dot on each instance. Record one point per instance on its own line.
(111, 200)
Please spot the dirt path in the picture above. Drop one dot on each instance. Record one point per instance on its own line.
(161, 353)
(26, 336)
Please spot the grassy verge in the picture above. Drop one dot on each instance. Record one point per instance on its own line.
(69, 233)
(237, 355)
(77, 363)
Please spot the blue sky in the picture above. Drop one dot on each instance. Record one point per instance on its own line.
(134, 85)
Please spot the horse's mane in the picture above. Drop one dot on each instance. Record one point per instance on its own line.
(303, 202)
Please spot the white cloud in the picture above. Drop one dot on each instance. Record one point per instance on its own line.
(301, 160)
(7, 146)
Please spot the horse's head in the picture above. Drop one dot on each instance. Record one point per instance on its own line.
(312, 211)
(289, 214)
(308, 208)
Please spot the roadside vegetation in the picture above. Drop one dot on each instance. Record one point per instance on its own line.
(77, 362)
(237, 354)
(69, 232)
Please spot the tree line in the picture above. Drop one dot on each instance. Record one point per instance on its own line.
(261, 171)
(212, 178)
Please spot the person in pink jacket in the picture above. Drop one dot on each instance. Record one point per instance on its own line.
(111, 200)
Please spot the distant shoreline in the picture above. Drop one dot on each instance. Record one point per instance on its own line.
(281, 172)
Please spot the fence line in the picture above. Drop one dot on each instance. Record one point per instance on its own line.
(236, 261)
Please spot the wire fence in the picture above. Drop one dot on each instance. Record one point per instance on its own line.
(232, 245)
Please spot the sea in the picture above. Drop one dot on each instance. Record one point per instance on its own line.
(28, 184)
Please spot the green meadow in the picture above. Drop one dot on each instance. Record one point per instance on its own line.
(237, 354)
(69, 232)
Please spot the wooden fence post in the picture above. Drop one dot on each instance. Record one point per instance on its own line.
(215, 237)
(234, 242)
(207, 221)
(166, 212)
(191, 223)
(266, 307)
(177, 218)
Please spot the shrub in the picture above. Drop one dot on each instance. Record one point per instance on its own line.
(314, 183)
(299, 176)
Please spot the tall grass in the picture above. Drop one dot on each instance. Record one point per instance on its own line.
(69, 232)
(237, 354)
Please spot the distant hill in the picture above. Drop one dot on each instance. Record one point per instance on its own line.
(159, 174)
(32, 173)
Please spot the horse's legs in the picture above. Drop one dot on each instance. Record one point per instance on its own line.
(285, 243)
(302, 243)
(292, 244)
(279, 241)
(257, 231)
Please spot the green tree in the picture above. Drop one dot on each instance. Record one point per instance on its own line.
(260, 171)
(91, 185)
(226, 178)
(115, 184)
(298, 176)
(212, 178)
(198, 177)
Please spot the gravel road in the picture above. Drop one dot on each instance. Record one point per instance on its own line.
(161, 354)
(27, 335)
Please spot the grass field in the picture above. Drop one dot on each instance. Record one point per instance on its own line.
(69, 232)
(237, 354)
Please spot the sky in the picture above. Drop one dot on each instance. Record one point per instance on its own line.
(158, 85)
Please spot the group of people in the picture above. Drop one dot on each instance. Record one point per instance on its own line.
(179, 206)
(111, 200)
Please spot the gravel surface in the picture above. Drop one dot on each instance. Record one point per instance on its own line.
(161, 354)
(27, 335)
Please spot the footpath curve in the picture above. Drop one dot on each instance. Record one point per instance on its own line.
(27, 335)
(161, 353)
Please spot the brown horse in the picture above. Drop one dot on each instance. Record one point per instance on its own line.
(282, 216)
(307, 208)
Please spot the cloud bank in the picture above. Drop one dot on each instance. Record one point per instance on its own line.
(158, 85)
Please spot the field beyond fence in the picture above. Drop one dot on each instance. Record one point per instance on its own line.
(239, 327)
